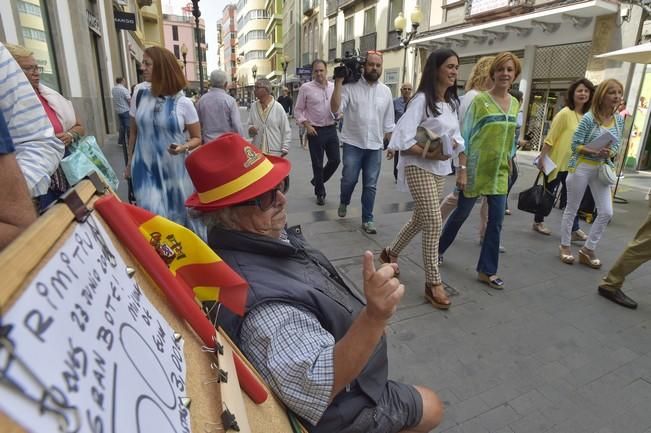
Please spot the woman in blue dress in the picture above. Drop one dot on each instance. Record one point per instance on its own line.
(164, 130)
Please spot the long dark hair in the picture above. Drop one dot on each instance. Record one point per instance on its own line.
(570, 94)
(429, 79)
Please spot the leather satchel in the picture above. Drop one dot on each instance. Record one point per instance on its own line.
(429, 140)
(537, 199)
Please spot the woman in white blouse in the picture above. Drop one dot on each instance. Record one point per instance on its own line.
(433, 107)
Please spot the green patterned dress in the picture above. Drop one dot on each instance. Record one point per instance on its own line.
(488, 132)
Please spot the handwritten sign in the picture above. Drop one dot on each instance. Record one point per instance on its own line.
(90, 352)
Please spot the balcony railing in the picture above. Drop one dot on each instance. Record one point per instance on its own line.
(367, 43)
(347, 46)
(480, 9)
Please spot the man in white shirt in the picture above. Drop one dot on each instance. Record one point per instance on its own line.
(121, 101)
(367, 106)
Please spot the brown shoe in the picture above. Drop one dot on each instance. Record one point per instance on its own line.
(386, 256)
(442, 302)
(540, 228)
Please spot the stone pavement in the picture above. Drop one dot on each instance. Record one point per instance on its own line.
(547, 354)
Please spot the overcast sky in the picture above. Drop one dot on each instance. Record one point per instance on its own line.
(211, 12)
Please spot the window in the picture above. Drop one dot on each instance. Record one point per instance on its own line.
(34, 34)
(254, 35)
(177, 52)
(369, 21)
(332, 37)
(28, 8)
(349, 28)
(291, 16)
(254, 55)
(175, 33)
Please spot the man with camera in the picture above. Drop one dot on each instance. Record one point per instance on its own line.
(367, 107)
(312, 111)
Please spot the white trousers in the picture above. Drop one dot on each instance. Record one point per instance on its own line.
(577, 183)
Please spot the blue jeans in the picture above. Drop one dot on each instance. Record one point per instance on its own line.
(123, 138)
(369, 162)
(490, 247)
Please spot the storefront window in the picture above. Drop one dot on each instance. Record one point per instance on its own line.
(37, 37)
(637, 156)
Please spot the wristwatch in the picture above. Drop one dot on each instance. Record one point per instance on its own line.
(461, 167)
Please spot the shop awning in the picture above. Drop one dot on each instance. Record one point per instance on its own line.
(543, 19)
(637, 54)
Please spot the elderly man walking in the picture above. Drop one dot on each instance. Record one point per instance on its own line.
(121, 101)
(317, 343)
(218, 111)
(268, 125)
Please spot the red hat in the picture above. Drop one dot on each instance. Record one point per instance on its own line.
(230, 170)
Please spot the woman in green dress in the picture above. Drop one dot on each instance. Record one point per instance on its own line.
(488, 129)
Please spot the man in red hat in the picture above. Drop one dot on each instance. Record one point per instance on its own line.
(316, 342)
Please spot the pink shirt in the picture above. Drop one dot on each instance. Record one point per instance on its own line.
(51, 115)
(313, 104)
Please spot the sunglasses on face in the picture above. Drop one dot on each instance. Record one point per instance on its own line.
(32, 69)
(267, 200)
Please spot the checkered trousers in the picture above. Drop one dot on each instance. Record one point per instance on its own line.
(426, 189)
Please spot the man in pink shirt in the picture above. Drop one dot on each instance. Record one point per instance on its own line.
(312, 111)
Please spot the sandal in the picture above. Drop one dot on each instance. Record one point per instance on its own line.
(440, 302)
(589, 259)
(386, 256)
(493, 281)
(565, 258)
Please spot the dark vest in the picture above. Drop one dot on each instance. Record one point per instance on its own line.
(296, 273)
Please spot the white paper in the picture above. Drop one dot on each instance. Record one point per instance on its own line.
(549, 164)
(605, 139)
(90, 335)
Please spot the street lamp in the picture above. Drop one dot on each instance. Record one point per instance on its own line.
(184, 54)
(400, 23)
(196, 13)
(284, 63)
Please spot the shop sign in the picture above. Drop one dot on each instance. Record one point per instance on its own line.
(124, 20)
(93, 22)
(304, 71)
(391, 76)
(482, 6)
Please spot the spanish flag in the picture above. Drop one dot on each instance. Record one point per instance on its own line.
(191, 260)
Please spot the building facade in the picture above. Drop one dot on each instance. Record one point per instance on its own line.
(81, 49)
(227, 39)
(180, 37)
(252, 46)
(274, 30)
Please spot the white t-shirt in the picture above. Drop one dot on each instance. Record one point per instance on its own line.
(186, 113)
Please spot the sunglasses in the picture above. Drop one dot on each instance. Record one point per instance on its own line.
(267, 200)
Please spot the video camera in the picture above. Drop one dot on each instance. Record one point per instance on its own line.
(351, 67)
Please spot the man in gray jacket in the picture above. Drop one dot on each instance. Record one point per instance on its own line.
(317, 343)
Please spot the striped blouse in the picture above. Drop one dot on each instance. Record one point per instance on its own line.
(38, 151)
(586, 132)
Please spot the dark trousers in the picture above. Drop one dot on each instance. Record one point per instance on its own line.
(326, 141)
(513, 177)
(552, 186)
(123, 138)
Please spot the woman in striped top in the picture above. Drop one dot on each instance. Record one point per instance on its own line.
(584, 167)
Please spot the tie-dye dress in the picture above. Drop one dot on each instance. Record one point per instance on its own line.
(161, 183)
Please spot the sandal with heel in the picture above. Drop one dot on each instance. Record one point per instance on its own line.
(589, 259)
(568, 259)
(386, 256)
(493, 281)
(440, 302)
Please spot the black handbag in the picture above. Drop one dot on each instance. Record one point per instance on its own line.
(537, 199)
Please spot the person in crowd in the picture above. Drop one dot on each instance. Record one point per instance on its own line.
(488, 130)
(367, 106)
(433, 107)
(268, 125)
(636, 254)
(60, 112)
(164, 129)
(38, 151)
(558, 147)
(16, 208)
(218, 111)
(584, 165)
(312, 111)
(286, 101)
(478, 81)
(121, 101)
(320, 348)
(399, 106)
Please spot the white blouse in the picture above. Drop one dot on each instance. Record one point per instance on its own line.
(404, 136)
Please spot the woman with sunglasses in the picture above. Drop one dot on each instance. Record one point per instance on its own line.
(433, 107)
(60, 112)
(164, 130)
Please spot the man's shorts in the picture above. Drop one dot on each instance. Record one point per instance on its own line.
(400, 407)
